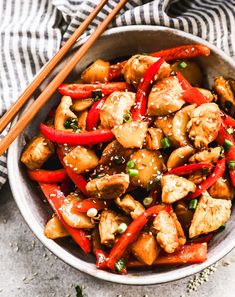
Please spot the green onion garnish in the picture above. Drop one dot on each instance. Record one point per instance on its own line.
(133, 172)
(183, 65)
(127, 118)
(147, 201)
(71, 123)
(130, 164)
(121, 228)
(231, 164)
(96, 95)
(165, 142)
(230, 130)
(227, 145)
(193, 204)
(120, 264)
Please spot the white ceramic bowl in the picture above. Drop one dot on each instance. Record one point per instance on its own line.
(115, 43)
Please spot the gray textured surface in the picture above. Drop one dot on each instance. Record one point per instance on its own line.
(28, 269)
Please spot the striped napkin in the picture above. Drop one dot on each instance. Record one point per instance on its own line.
(33, 30)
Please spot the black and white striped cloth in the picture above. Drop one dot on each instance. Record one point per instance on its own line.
(33, 30)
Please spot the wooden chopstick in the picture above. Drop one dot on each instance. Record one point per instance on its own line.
(30, 113)
(25, 96)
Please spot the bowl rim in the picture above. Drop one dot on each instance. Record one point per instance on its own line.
(74, 261)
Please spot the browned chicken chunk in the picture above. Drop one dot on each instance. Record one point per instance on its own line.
(130, 206)
(167, 234)
(181, 236)
(175, 188)
(37, 152)
(137, 65)
(165, 97)
(108, 225)
(81, 159)
(145, 248)
(208, 156)
(108, 186)
(210, 214)
(153, 138)
(222, 189)
(204, 124)
(55, 229)
(116, 106)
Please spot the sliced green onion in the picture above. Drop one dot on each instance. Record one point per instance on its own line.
(127, 118)
(120, 264)
(165, 142)
(147, 201)
(121, 228)
(133, 172)
(230, 130)
(130, 164)
(227, 145)
(96, 95)
(193, 204)
(119, 160)
(71, 123)
(231, 164)
(183, 65)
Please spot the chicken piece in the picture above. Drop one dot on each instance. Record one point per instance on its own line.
(184, 215)
(137, 65)
(225, 94)
(116, 106)
(108, 186)
(153, 138)
(81, 122)
(145, 248)
(149, 165)
(82, 104)
(108, 225)
(131, 134)
(81, 159)
(130, 206)
(167, 234)
(210, 214)
(55, 229)
(204, 124)
(181, 236)
(175, 188)
(64, 113)
(198, 176)
(75, 219)
(208, 156)
(222, 189)
(96, 72)
(165, 97)
(179, 156)
(37, 152)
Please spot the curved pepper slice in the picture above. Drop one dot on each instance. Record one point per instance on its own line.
(93, 115)
(86, 204)
(211, 179)
(183, 52)
(189, 168)
(83, 91)
(56, 198)
(131, 234)
(47, 176)
(139, 109)
(72, 138)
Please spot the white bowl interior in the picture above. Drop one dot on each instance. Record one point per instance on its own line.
(115, 43)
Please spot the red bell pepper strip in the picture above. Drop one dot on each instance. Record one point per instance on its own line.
(131, 234)
(191, 95)
(230, 154)
(48, 176)
(56, 198)
(86, 204)
(77, 179)
(83, 91)
(93, 115)
(139, 109)
(183, 52)
(189, 168)
(72, 138)
(186, 254)
(206, 238)
(115, 70)
(227, 120)
(101, 257)
(211, 179)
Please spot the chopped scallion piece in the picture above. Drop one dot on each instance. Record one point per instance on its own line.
(127, 118)
(71, 123)
(193, 204)
(147, 201)
(183, 64)
(96, 95)
(121, 228)
(165, 142)
(230, 130)
(133, 172)
(130, 164)
(231, 164)
(120, 264)
(227, 145)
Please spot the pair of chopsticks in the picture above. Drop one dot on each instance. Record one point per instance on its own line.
(30, 113)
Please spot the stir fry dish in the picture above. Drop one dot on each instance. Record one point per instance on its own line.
(138, 160)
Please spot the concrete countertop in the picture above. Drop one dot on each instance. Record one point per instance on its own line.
(28, 269)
